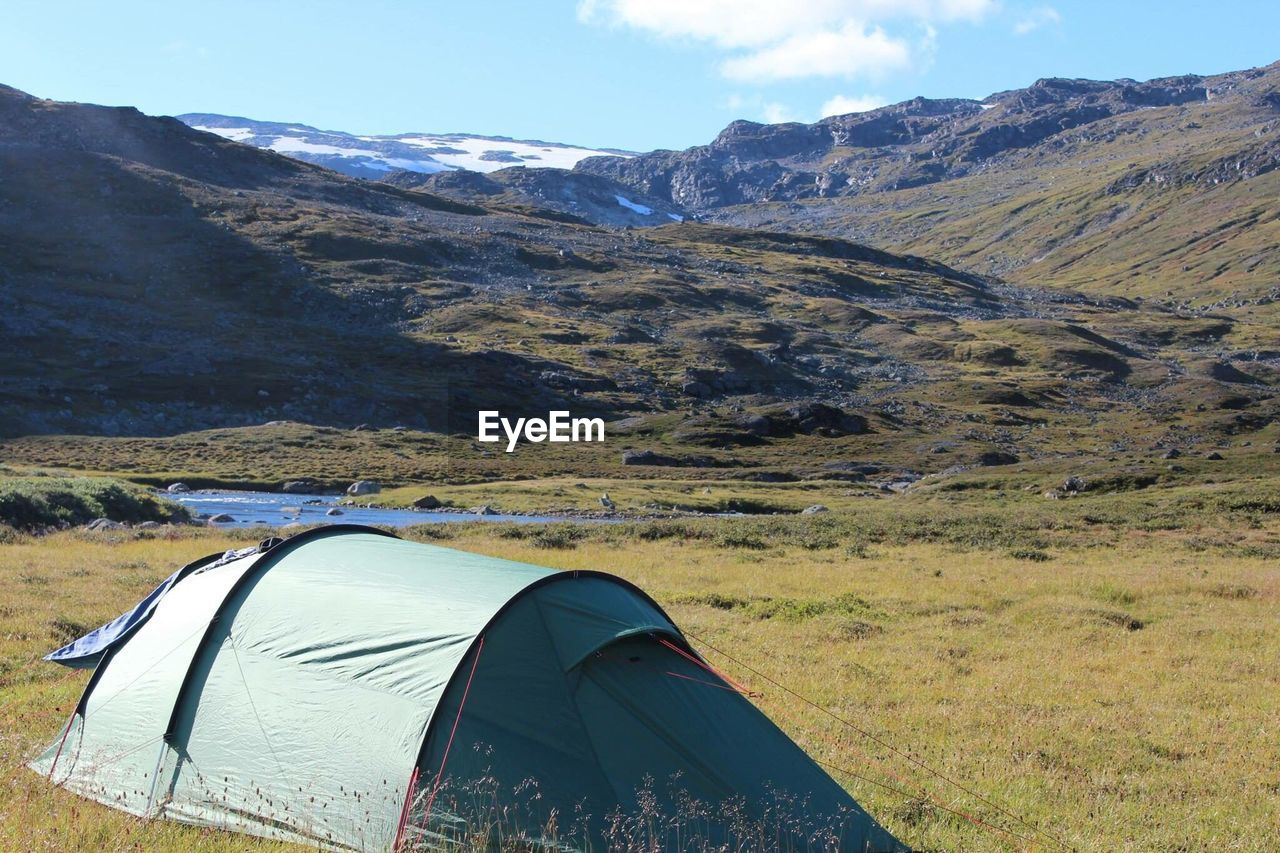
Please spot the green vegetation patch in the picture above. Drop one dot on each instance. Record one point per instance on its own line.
(36, 503)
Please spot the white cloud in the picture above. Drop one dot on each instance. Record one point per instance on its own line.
(845, 104)
(1041, 16)
(775, 113)
(777, 40)
(849, 51)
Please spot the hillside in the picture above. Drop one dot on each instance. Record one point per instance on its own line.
(1165, 189)
(158, 280)
(593, 198)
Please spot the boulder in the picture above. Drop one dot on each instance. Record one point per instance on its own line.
(757, 425)
(647, 457)
(814, 510)
(427, 502)
(363, 487)
(1214, 456)
(817, 419)
(104, 524)
(483, 510)
(996, 457)
(1172, 453)
(1073, 485)
(302, 486)
(696, 389)
(178, 488)
(221, 518)
(334, 511)
(147, 525)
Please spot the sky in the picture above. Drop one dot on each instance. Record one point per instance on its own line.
(630, 74)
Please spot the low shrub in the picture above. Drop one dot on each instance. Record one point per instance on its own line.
(36, 503)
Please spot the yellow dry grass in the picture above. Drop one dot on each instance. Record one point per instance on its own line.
(1122, 698)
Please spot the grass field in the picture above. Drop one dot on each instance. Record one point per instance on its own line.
(1106, 667)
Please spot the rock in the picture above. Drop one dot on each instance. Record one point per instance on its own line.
(363, 487)
(1073, 485)
(816, 419)
(104, 524)
(757, 425)
(1214, 456)
(221, 518)
(996, 457)
(647, 457)
(302, 486)
(1053, 495)
(147, 525)
(1172, 453)
(695, 389)
(814, 510)
(427, 502)
(483, 510)
(334, 511)
(178, 488)
(360, 428)
(769, 477)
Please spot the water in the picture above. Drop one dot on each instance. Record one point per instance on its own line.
(255, 509)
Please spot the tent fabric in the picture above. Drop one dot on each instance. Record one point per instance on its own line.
(87, 651)
(293, 693)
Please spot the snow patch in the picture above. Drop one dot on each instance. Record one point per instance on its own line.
(557, 156)
(676, 217)
(418, 152)
(631, 205)
(235, 134)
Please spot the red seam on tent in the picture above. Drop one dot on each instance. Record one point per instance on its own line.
(917, 762)
(404, 812)
(700, 681)
(61, 743)
(466, 691)
(741, 688)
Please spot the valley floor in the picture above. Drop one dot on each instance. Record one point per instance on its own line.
(1106, 667)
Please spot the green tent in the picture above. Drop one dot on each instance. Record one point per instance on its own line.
(350, 689)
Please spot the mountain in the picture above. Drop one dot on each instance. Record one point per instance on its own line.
(1166, 189)
(156, 279)
(376, 156)
(592, 198)
(462, 166)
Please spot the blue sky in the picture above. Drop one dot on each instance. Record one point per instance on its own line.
(636, 74)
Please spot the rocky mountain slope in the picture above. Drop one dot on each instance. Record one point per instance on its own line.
(593, 198)
(376, 156)
(1166, 189)
(155, 279)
